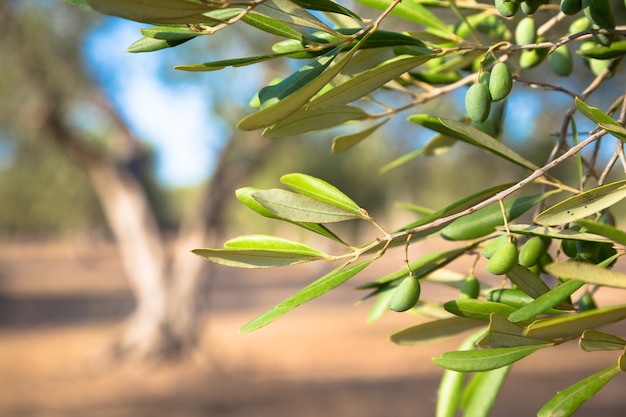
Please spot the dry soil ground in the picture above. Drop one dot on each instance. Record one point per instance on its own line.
(58, 310)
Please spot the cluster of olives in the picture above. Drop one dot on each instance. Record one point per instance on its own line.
(597, 15)
(492, 86)
(586, 251)
(597, 12)
(503, 255)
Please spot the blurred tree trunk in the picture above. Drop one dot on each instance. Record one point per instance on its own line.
(166, 285)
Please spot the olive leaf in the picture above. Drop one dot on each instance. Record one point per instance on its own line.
(433, 330)
(567, 401)
(261, 251)
(583, 205)
(307, 120)
(483, 390)
(593, 340)
(589, 273)
(322, 191)
(317, 288)
(300, 208)
(574, 324)
(346, 142)
(477, 309)
(545, 301)
(486, 359)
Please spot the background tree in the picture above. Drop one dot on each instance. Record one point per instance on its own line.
(365, 70)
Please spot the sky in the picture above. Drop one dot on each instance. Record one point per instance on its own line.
(175, 117)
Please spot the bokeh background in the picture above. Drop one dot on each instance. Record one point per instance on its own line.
(114, 165)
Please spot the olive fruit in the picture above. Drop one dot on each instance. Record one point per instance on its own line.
(406, 295)
(507, 8)
(526, 31)
(561, 61)
(600, 14)
(504, 259)
(530, 58)
(531, 252)
(568, 246)
(586, 302)
(478, 102)
(529, 7)
(579, 25)
(484, 78)
(493, 245)
(470, 287)
(598, 66)
(500, 81)
(588, 251)
(571, 7)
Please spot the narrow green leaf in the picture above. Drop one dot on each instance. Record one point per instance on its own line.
(260, 251)
(305, 120)
(289, 12)
(477, 137)
(245, 196)
(527, 281)
(616, 49)
(319, 287)
(381, 305)
(148, 44)
(322, 191)
(367, 82)
(503, 333)
(272, 26)
(346, 142)
(273, 94)
(583, 205)
(575, 324)
(484, 360)
(326, 6)
(566, 402)
(272, 114)
(166, 11)
(299, 208)
(603, 229)
(433, 330)
(595, 114)
(593, 340)
(535, 230)
(169, 32)
(485, 389)
(412, 11)
(221, 64)
(477, 309)
(617, 130)
(450, 391)
(589, 273)
(485, 221)
(545, 301)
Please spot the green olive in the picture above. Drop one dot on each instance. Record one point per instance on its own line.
(493, 245)
(561, 61)
(529, 7)
(571, 7)
(586, 302)
(470, 288)
(406, 295)
(507, 8)
(500, 82)
(504, 259)
(478, 102)
(530, 58)
(579, 25)
(526, 31)
(531, 252)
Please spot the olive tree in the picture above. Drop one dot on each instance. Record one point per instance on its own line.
(366, 63)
